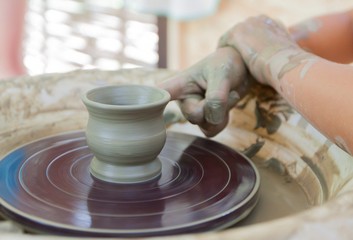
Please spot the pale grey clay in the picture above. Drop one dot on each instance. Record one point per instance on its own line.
(126, 131)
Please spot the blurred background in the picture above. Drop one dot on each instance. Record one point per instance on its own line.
(45, 36)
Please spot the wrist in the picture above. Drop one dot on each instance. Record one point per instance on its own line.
(272, 64)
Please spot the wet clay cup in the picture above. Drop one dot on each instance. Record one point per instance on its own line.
(126, 131)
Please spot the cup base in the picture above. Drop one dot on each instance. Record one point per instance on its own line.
(125, 173)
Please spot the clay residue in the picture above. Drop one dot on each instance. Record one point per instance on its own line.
(325, 169)
(286, 60)
(278, 60)
(309, 63)
(279, 195)
(214, 112)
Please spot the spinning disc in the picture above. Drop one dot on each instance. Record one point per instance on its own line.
(46, 186)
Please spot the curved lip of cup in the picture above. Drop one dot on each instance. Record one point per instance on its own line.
(164, 99)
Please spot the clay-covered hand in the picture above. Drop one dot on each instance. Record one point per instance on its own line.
(207, 90)
(266, 47)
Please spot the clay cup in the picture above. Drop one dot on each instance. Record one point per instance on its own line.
(126, 131)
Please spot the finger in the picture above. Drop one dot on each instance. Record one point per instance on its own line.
(174, 85)
(216, 100)
(223, 41)
(233, 99)
(192, 108)
(244, 87)
(211, 130)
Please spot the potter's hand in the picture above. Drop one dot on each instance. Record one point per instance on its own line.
(266, 47)
(207, 90)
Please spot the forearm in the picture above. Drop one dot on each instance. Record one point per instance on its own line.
(322, 92)
(329, 36)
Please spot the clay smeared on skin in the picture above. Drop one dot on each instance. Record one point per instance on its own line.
(302, 30)
(286, 60)
(277, 61)
(309, 63)
(214, 112)
(257, 59)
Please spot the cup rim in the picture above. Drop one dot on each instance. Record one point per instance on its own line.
(163, 100)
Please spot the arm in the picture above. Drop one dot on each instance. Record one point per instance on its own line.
(328, 36)
(322, 92)
(318, 88)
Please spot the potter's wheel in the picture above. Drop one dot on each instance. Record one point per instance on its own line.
(46, 187)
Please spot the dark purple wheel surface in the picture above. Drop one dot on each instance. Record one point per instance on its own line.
(46, 186)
